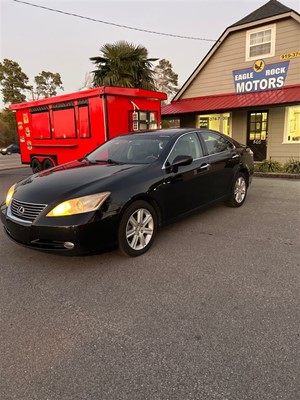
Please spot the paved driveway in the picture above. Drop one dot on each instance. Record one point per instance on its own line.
(211, 312)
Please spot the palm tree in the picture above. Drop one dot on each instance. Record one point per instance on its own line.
(123, 64)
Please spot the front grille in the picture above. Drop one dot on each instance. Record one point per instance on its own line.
(26, 211)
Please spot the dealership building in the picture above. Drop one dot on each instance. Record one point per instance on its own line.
(248, 85)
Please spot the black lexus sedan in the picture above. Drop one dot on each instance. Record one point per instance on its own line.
(124, 190)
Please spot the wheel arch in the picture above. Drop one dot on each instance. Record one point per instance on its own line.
(245, 171)
(145, 197)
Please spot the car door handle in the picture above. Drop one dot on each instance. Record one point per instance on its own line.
(204, 166)
(235, 156)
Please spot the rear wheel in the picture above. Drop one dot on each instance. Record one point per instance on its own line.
(47, 163)
(137, 229)
(238, 191)
(36, 165)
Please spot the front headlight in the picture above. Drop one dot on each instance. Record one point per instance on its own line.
(79, 205)
(9, 195)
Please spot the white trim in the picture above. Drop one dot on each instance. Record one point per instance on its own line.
(272, 41)
(286, 118)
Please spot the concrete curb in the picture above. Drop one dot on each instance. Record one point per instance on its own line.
(276, 175)
(6, 168)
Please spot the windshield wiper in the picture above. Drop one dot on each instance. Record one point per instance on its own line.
(86, 159)
(108, 161)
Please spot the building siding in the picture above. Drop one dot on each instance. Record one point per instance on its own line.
(288, 41)
(216, 75)
(278, 150)
(239, 126)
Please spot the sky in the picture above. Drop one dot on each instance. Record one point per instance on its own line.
(39, 39)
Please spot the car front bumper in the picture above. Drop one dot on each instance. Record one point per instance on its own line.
(90, 236)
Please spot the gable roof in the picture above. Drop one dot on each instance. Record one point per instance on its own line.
(270, 9)
(273, 9)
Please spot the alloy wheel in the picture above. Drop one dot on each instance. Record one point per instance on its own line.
(240, 190)
(139, 229)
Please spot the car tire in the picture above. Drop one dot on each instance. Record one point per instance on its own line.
(238, 191)
(137, 229)
(35, 165)
(47, 163)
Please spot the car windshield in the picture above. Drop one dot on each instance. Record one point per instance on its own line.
(130, 149)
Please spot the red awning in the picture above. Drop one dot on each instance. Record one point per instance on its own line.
(230, 101)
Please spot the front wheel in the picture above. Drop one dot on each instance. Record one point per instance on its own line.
(238, 191)
(137, 229)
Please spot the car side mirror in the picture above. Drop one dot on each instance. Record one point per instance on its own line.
(180, 161)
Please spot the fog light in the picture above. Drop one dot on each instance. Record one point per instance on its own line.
(69, 245)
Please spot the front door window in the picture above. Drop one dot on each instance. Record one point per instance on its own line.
(257, 134)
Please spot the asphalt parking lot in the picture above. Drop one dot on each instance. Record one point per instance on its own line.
(10, 161)
(212, 311)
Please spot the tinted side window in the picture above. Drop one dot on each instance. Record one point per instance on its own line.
(215, 143)
(186, 145)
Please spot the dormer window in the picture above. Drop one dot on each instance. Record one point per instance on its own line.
(260, 43)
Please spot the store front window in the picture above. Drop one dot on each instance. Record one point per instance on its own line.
(141, 120)
(292, 134)
(217, 122)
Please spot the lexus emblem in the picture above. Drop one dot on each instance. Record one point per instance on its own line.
(21, 210)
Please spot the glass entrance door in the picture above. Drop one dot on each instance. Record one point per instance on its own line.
(257, 134)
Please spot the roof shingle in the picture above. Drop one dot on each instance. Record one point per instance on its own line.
(270, 9)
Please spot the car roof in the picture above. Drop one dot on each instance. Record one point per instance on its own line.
(175, 133)
(170, 132)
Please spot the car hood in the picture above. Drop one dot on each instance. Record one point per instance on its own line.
(71, 180)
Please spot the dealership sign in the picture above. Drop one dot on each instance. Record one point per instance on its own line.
(260, 77)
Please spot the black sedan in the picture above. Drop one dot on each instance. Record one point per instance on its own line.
(123, 191)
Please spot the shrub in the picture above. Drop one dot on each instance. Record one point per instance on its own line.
(8, 130)
(292, 167)
(269, 166)
(4, 133)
